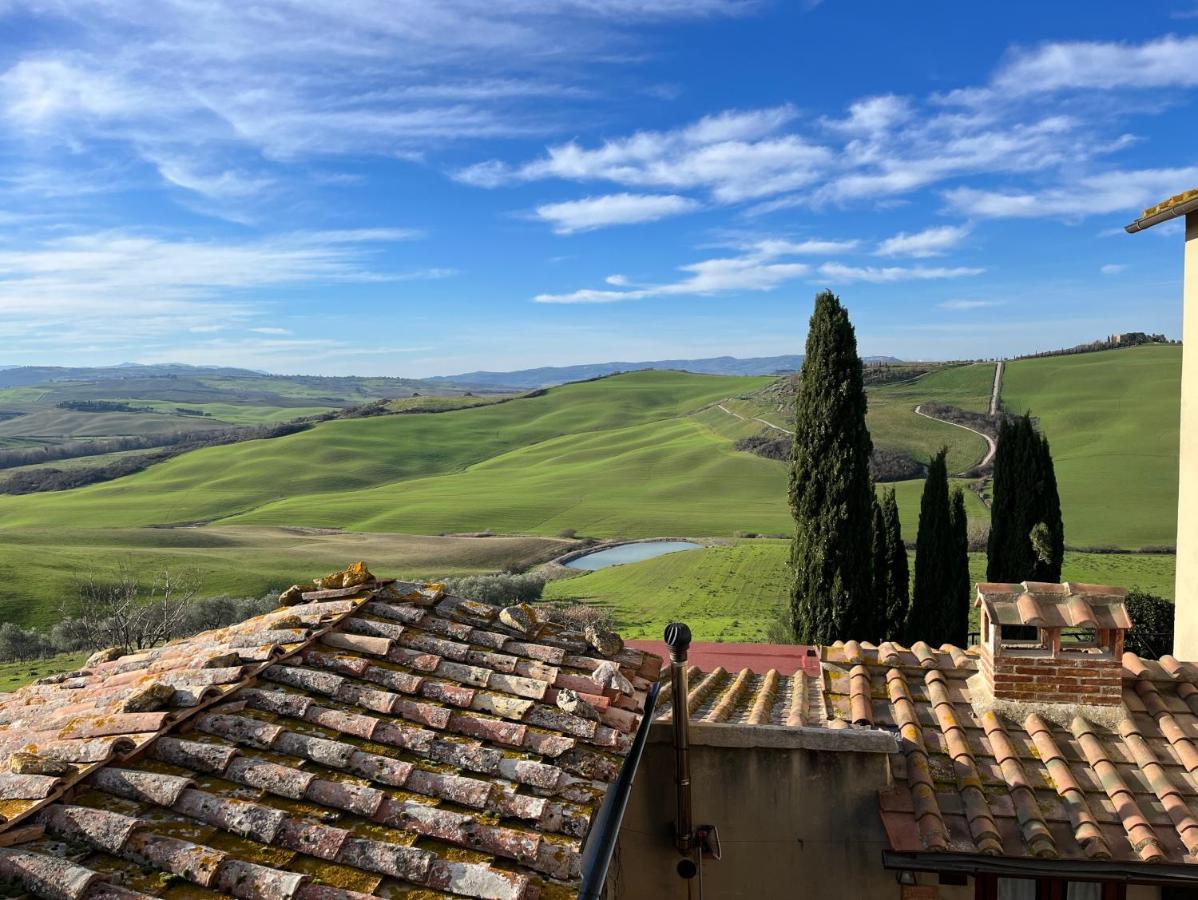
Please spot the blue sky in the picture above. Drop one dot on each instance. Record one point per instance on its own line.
(434, 186)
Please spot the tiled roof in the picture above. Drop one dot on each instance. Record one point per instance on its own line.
(1045, 783)
(745, 697)
(1054, 605)
(1175, 200)
(377, 739)
(785, 658)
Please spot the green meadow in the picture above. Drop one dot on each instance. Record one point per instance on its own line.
(734, 592)
(638, 455)
(1111, 419)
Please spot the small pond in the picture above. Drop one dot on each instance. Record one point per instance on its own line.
(629, 553)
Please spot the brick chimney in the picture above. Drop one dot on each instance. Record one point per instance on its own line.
(1053, 643)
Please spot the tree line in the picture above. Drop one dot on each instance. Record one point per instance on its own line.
(848, 556)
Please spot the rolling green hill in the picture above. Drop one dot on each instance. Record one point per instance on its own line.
(636, 455)
(1111, 418)
(734, 593)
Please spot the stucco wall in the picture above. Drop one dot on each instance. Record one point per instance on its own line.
(797, 818)
(793, 822)
(1185, 640)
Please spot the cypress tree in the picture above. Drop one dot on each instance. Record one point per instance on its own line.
(881, 574)
(1050, 549)
(1027, 535)
(935, 571)
(957, 600)
(831, 493)
(897, 595)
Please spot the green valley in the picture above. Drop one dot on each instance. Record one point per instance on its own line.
(644, 454)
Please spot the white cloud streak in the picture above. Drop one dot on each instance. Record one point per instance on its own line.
(1108, 192)
(966, 305)
(735, 155)
(760, 267)
(212, 98)
(122, 286)
(929, 242)
(1167, 61)
(843, 274)
(590, 213)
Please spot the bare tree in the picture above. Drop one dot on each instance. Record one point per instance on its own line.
(129, 611)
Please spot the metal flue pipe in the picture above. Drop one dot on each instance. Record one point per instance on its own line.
(678, 639)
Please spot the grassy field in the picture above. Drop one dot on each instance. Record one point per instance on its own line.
(637, 455)
(39, 568)
(892, 421)
(729, 593)
(308, 475)
(1111, 419)
(18, 674)
(734, 593)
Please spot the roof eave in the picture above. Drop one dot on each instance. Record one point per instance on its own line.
(1164, 215)
(1030, 866)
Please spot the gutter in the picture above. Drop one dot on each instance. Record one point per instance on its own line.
(606, 828)
(1164, 215)
(1029, 867)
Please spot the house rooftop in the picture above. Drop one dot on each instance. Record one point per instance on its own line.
(374, 738)
(1177, 205)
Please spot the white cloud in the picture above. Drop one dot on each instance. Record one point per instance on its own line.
(929, 242)
(1113, 268)
(761, 267)
(1167, 61)
(208, 97)
(590, 213)
(873, 115)
(1108, 192)
(883, 275)
(271, 330)
(803, 248)
(127, 286)
(965, 305)
(735, 155)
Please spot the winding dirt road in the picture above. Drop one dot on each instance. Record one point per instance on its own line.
(989, 440)
(723, 408)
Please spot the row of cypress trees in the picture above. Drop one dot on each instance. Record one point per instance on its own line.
(848, 556)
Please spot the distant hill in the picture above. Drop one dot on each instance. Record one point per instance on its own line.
(21, 376)
(549, 376)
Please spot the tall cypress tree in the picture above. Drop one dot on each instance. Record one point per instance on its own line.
(831, 493)
(935, 572)
(897, 596)
(1050, 548)
(878, 609)
(957, 599)
(1027, 535)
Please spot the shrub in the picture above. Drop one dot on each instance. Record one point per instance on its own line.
(568, 533)
(499, 590)
(577, 616)
(770, 446)
(1151, 632)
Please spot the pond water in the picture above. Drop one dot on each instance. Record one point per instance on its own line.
(629, 553)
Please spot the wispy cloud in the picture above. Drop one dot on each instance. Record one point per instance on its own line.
(1108, 192)
(840, 273)
(212, 99)
(1113, 268)
(732, 156)
(965, 305)
(929, 242)
(125, 285)
(1168, 61)
(761, 267)
(590, 213)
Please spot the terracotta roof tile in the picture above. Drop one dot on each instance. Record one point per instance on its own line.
(395, 723)
(1047, 783)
